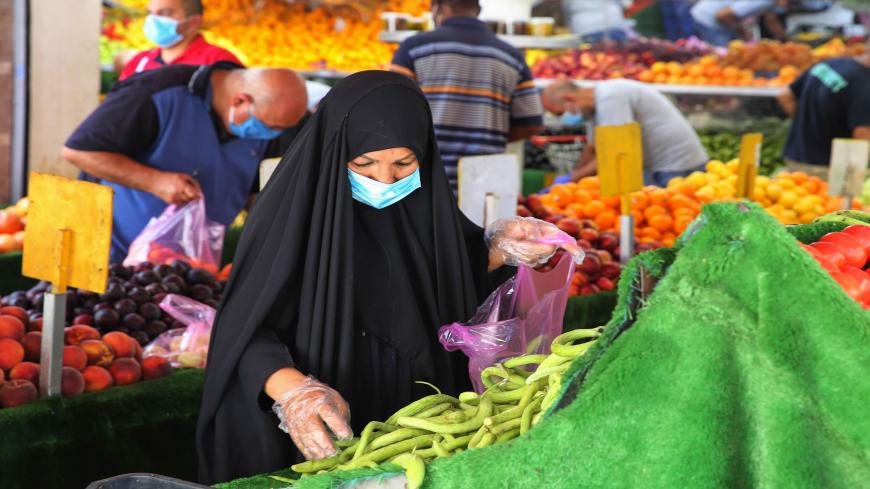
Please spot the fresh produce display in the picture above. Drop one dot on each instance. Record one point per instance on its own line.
(516, 397)
(773, 56)
(723, 144)
(130, 302)
(279, 33)
(91, 362)
(12, 221)
(845, 255)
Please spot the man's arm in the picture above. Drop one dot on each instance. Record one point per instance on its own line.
(524, 132)
(774, 25)
(587, 165)
(172, 188)
(787, 101)
(861, 132)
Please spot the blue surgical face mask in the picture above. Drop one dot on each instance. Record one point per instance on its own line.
(162, 31)
(572, 119)
(252, 128)
(379, 195)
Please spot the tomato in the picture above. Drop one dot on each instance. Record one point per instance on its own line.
(852, 248)
(863, 280)
(862, 234)
(849, 284)
(831, 252)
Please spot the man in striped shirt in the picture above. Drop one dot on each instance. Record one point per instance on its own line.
(480, 89)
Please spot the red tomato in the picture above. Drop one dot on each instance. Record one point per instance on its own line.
(862, 234)
(849, 284)
(852, 248)
(831, 252)
(863, 280)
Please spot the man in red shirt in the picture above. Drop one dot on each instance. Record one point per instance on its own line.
(173, 25)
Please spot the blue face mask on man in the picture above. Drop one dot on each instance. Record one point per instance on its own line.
(252, 128)
(162, 31)
(379, 195)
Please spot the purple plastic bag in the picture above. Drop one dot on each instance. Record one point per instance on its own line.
(188, 346)
(522, 316)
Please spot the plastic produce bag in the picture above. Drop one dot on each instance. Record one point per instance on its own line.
(180, 233)
(522, 316)
(188, 346)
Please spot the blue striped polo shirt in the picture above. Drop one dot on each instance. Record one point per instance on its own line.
(477, 85)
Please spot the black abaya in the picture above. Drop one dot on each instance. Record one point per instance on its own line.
(347, 293)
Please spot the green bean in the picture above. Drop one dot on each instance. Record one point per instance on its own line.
(420, 405)
(526, 419)
(468, 397)
(508, 435)
(486, 440)
(457, 443)
(546, 372)
(472, 443)
(524, 360)
(415, 470)
(506, 426)
(390, 451)
(348, 452)
(434, 410)
(315, 465)
(395, 437)
(366, 436)
(563, 344)
(347, 443)
(439, 448)
(483, 412)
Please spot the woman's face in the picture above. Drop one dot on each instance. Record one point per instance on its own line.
(386, 166)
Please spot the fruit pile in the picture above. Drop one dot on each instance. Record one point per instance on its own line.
(845, 256)
(286, 34)
(723, 143)
(518, 392)
(709, 70)
(590, 64)
(769, 56)
(12, 221)
(91, 362)
(129, 304)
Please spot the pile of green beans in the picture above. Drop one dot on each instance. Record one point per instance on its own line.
(516, 396)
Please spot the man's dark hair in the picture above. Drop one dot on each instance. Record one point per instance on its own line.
(458, 4)
(192, 7)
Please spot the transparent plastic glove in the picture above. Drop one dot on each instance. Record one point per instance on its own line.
(306, 412)
(529, 241)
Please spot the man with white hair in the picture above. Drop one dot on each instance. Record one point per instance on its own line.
(171, 135)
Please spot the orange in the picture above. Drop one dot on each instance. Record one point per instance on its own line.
(658, 196)
(685, 212)
(662, 222)
(650, 232)
(673, 80)
(592, 208)
(654, 210)
(648, 241)
(811, 186)
(680, 200)
(696, 70)
(612, 202)
(639, 200)
(582, 196)
(606, 220)
(730, 72)
(799, 177)
(686, 189)
(668, 242)
(659, 67)
(575, 210)
(660, 78)
(712, 71)
(562, 195)
(7, 243)
(681, 223)
(646, 76)
(589, 183)
(674, 68)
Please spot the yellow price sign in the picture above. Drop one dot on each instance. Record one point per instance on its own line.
(750, 160)
(68, 233)
(619, 152)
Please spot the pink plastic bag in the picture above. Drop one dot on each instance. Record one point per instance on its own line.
(188, 346)
(180, 233)
(522, 316)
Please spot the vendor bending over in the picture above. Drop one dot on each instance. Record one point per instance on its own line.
(171, 135)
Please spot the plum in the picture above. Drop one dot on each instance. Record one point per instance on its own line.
(199, 276)
(176, 280)
(117, 270)
(155, 328)
(212, 303)
(158, 297)
(142, 266)
(114, 292)
(163, 271)
(106, 318)
(149, 311)
(20, 301)
(156, 288)
(201, 293)
(181, 267)
(141, 337)
(102, 305)
(133, 322)
(176, 324)
(125, 306)
(146, 277)
(139, 295)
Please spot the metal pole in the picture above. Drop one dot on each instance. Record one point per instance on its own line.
(20, 43)
(51, 358)
(626, 238)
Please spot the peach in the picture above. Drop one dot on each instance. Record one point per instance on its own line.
(97, 378)
(11, 327)
(75, 357)
(11, 353)
(125, 371)
(18, 312)
(72, 382)
(154, 367)
(32, 343)
(35, 325)
(74, 335)
(17, 392)
(98, 352)
(121, 344)
(27, 371)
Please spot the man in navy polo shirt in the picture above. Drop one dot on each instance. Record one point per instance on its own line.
(171, 135)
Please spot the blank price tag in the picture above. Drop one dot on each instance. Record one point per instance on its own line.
(68, 233)
(488, 187)
(848, 171)
(619, 152)
(750, 160)
(267, 168)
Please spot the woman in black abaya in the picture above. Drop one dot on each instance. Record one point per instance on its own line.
(353, 257)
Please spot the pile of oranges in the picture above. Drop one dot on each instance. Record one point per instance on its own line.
(12, 221)
(280, 33)
(709, 71)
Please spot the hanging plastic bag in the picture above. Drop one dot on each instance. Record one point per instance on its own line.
(183, 233)
(522, 316)
(184, 347)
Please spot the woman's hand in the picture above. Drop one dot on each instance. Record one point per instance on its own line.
(528, 241)
(305, 412)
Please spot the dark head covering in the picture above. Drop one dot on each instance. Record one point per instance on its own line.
(347, 293)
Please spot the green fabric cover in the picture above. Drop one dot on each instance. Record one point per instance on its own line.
(10, 274)
(68, 443)
(746, 367)
(535, 180)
